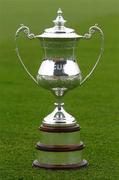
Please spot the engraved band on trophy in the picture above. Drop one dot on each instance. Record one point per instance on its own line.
(60, 146)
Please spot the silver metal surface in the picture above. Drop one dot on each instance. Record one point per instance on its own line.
(60, 138)
(87, 36)
(59, 30)
(60, 74)
(59, 117)
(59, 158)
(59, 71)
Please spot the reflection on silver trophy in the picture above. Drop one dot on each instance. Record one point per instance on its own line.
(59, 72)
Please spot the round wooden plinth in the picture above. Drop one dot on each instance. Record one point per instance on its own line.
(82, 164)
(59, 129)
(60, 148)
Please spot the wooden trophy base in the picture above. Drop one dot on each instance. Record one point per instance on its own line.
(60, 148)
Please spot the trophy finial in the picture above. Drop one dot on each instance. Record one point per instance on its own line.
(59, 21)
(59, 12)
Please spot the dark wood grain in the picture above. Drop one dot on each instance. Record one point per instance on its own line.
(73, 128)
(60, 148)
(82, 164)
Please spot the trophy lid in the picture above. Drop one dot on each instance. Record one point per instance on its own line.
(59, 30)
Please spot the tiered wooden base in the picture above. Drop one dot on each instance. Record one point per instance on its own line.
(60, 148)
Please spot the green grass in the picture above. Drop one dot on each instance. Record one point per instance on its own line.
(23, 105)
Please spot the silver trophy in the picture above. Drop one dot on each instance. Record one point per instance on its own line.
(60, 145)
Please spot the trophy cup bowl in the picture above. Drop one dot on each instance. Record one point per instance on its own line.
(60, 145)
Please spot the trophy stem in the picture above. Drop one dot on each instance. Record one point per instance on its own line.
(59, 117)
(59, 102)
(59, 92)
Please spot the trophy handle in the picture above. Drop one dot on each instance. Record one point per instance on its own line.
(30, 36)
(88, 35)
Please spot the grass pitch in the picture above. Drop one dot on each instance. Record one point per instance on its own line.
(95, 105)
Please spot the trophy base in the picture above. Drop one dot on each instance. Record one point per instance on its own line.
(59, 148)
(82, 164)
